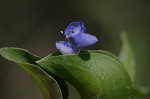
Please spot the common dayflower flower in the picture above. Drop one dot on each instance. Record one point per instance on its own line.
(75, 30)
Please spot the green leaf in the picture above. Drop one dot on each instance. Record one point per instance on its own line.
(26, 60)
(95, 74)
(126, 55)
(139, 91)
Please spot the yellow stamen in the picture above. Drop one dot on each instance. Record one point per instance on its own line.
(61, 32)
(67, 37)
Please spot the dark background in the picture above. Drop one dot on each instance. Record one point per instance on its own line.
(35, 25)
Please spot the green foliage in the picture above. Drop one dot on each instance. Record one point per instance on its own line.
(126, 55)
(26, 60)
(96, 74)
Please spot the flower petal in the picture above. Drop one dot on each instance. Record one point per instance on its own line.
(83, 39)
(64, 47)
(74, 28)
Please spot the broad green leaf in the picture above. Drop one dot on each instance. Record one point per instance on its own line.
(26, 60)
(95, 74)
(126, 55)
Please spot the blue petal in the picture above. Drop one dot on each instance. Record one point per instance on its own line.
(83, 39)
(64, 47)
(74, 28)
(83, 30)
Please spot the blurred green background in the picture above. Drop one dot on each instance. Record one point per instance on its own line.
(35, 25)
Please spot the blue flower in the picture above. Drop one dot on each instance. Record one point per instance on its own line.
(75, 30)
(64, 47)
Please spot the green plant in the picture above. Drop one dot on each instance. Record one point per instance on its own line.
(96, 74)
